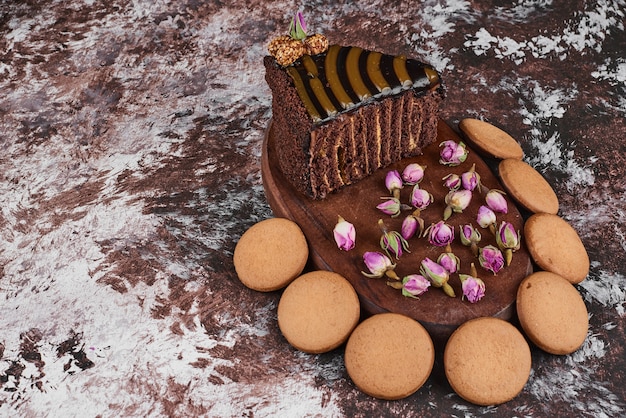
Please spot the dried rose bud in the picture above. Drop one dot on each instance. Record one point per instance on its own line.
(297, 27)
(414, 285)
(452, 181)
(393, 183)
(470, 179)
(452, 153)
(491, 259)
(420, 198)
(412, 225)
(391, 206)
(392, 242)
(496, 201)
(457, 201)
(440, 234)
(470, 237)
(413, 173)
(486, 218)
(449, 261)
(508, 240)
(437, 274)
(345, 234)
(379, 265)
(473, 287)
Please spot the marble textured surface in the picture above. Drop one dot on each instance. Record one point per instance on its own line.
(131, 133)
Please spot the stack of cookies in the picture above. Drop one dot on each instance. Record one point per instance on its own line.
(390, 356)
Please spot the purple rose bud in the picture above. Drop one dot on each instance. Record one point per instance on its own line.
(391, 207)
(414, 285)
(297, 27)
(457, 201)
(393, 182)
(434, 272)
(393, 244)
(470, 237)
(452, 181)
(413, 173)
(491, 259)
(507, 237)
(469, 234)
(440, 234)
(345, 234)
(378, 265)
(449, 261)
(420, 198)
(485, 217)
(452, 153)
(473, 288)
(508, 240)
(412, 225)
(496, 201)
(470, 179)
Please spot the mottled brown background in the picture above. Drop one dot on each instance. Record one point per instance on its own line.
(130, 138)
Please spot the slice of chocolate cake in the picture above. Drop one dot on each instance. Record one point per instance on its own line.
(343, 113)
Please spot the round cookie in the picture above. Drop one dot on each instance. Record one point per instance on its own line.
(556, 247)
(489, 140)
(527, 186)
(389, 356)
(552, 313)
(270, 254)
(318, 311)
(487, 361)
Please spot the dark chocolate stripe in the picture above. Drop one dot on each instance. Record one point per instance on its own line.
(386, 67)
(343, 73)
(343, 77)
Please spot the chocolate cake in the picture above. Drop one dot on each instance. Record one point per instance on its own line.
(341, 114)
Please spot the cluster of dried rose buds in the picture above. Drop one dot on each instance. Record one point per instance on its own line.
(437, 273)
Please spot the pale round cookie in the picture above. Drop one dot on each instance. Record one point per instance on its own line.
(487, 361)
(527, 186)
(270, 254)
(318, 311)
(555, 246)
(389, 356)
(489, 140)
(552, 313)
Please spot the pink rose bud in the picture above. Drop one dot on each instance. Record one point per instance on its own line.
(392, 242)
(378, 265)
(457, 201)
(452, 181)
(473, 288)
(420, 198)
(345, 234)
(491, 259)
(440, 234)
(393, 182)
(449, 261)
(391, 207)
(485, 217)
(437, 274)
(413, 173)
(508, 240)
(470, 237)
(411, 225)
(452, 153)
(297, 27)
(434, 272)
(414, 285)
(470, 179)
(496, 201)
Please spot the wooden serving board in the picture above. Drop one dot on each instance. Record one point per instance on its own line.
(440, 314)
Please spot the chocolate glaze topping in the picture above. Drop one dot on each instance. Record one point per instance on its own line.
(344, 77)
